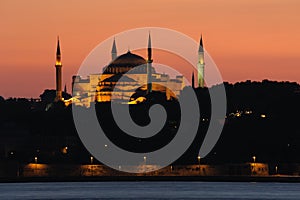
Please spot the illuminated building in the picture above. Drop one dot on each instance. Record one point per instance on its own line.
(124, 74)
(134, 70)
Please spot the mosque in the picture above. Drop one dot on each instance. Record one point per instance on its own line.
(125, 75)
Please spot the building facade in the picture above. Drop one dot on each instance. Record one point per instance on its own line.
(124, 76)
(128, 77)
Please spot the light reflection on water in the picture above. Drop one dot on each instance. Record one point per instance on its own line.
(150, 190)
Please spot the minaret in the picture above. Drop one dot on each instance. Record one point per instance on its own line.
(114, 51)
(193, 80)
(58, 67)
(149, 66)
(65, 90)
(201, 64)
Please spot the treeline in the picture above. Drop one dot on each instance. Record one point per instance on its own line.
(261, 120)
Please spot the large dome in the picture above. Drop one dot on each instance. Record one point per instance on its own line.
(128, 58)
(126, 62)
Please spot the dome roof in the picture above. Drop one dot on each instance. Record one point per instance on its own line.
(128, 58)
(124, 63)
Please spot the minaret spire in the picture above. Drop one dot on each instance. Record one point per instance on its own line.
(149, 66)
(201, 64)
(65, 90)
(58, 67)
(114, 50)
(58, 54)
(193, 80)
(149, 48)
(201, 45)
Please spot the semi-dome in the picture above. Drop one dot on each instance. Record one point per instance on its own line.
(126, 62)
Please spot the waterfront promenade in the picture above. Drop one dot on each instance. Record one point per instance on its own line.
(14, 172)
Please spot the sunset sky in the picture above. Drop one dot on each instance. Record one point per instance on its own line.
(257, 39)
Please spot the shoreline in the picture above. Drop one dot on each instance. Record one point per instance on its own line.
(283, 179)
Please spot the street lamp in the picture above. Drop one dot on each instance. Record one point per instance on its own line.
(276, 169)
(92, 159)
(35, 160)
(199, 162)
(254, 158)
(145, 162)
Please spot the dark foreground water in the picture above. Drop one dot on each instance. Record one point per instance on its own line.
(150, 190)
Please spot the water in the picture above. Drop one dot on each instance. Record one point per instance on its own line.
(150, 190)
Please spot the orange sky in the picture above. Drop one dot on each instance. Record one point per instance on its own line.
(257, 39)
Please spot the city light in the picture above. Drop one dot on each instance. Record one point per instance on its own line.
(65, 150)
(199, 162)
(254, 158)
